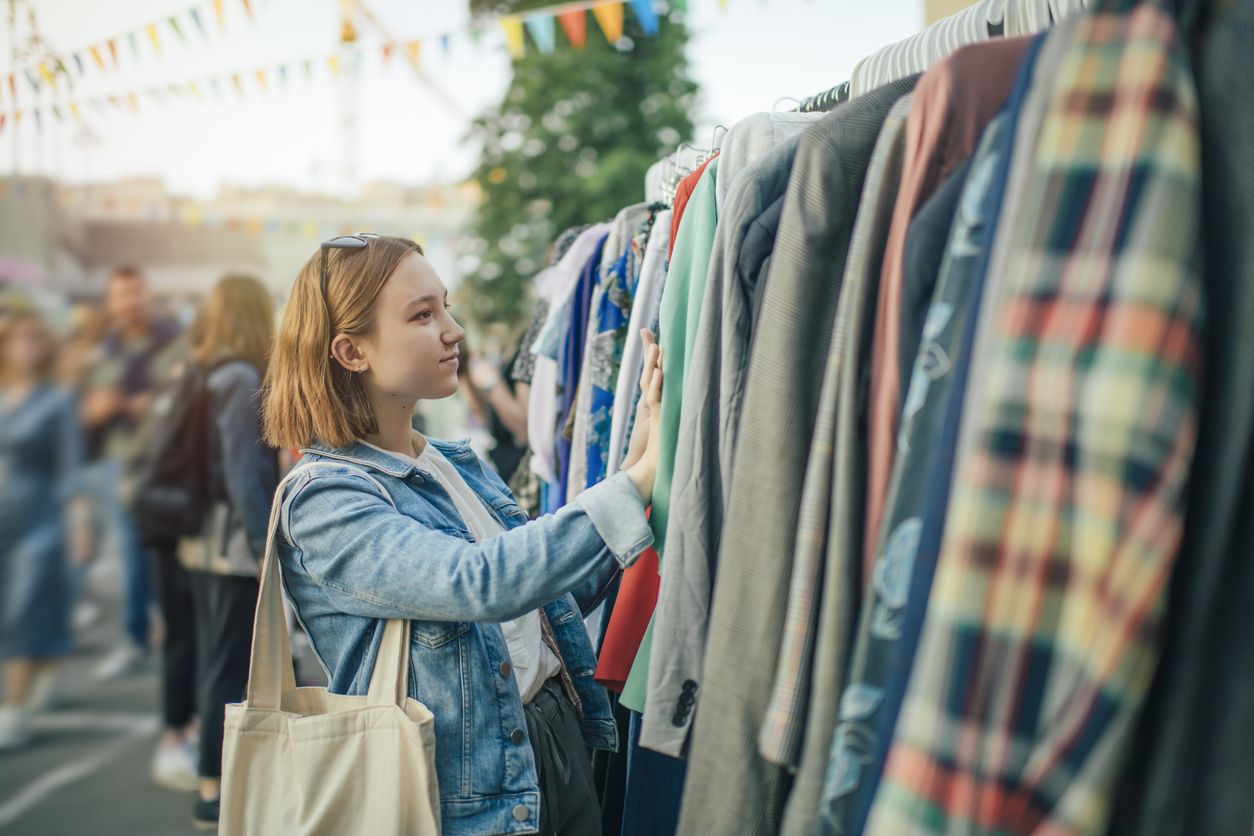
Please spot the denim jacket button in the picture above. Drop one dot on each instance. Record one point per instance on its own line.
(521, 813)
(506, 670)
(518, 736)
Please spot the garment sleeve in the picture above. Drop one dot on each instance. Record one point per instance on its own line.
(371, 560)
(249, 468)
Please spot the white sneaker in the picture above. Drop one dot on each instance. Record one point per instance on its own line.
(14, 728)
(174, 767)
(127, 659)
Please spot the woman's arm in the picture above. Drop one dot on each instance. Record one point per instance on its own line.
(373, 561)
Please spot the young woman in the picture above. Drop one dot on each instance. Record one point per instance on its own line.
(408, 527)
(236, 329)
(42, 499)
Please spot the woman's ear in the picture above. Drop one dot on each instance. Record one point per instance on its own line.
(348, 354)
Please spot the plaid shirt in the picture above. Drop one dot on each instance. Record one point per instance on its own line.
(1041, 631)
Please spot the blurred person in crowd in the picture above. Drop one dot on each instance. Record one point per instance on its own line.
(117, 394)
(498, 408)
(44, 515)
(80, 350)
(238, 328)
(174, 763)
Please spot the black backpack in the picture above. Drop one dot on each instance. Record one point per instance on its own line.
(171, 470)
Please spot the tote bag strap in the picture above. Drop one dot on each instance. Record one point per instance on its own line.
(270, 670)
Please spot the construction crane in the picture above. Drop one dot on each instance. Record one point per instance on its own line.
(354, 16)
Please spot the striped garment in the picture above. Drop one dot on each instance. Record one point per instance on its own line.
(1042, 629)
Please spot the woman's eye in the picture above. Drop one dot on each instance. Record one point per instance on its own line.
(423, 315)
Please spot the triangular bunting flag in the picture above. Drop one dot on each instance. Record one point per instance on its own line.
(97, 57)
(133, 39)
(261, 80)
(74, 110)
(61, 68)
(194, 87)
(283, 75)
(3, 116)
(32, 79)
(200, 23)
(46, 74)
(78, 63)
(113, 52)
(542, 32)
(152, 36)
(178, 30)
(215, 87)
(308, 70)
(411, 49)
(387, 53)
(17, 117)
(219, 13)
(56, 111)
(575, 25)
(646, 15)
(13, 87)
(248, 7)
(446, 44)
(610, 18)
(238, 82)
(133, 100)
(333, 64)
(514, 36)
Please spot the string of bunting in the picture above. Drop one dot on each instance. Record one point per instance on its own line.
(541, 25)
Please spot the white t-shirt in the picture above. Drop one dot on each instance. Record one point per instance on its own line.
(532, 660)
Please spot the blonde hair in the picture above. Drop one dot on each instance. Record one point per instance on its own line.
(236, 320)
(9, 323)
(307, 395)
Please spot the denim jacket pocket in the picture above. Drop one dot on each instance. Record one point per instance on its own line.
(436, 633)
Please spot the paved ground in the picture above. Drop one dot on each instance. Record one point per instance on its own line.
(87, 771)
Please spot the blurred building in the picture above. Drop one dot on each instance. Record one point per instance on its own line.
(66, 239)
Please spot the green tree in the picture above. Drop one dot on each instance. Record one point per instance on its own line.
(569, 144)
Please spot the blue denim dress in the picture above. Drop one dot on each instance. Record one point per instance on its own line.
(40, 469)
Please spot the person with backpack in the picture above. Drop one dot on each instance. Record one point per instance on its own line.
(230, 475)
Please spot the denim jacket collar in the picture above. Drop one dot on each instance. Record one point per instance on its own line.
(458, 452)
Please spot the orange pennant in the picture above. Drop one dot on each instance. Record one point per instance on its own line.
(218, 12)
(575, 25)
(387, 53)
(97, 57)
(411, 49)
(610, 18)
(238, 82)
(113, 52)
(248, 7)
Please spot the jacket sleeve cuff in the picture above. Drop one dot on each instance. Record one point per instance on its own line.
(617, 513)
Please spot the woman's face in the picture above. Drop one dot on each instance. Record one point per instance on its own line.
(412, 353)
(25, 349)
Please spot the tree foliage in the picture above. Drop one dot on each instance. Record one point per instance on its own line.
(569, 144)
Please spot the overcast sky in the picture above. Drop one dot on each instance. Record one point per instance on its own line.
(745, 57)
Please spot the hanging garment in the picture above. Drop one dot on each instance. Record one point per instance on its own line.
(683, 193)
(826, 582)
(570, 362)
(715, 372)
(957, 98)
(556, 285)
(931, 385)
(1195, 733)
(749, 139)
(608, 313)
(645, 305)
(781, 393)
(1066, 510)
(603, 349)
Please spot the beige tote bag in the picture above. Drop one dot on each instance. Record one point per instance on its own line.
(306, 761)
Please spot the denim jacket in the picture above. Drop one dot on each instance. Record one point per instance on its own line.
(351, 560)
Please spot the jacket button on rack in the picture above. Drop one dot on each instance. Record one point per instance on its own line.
(679, 719)
(521, 813)
(506, 669)
(518, 736)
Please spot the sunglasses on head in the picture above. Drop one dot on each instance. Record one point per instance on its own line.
(342, 242)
